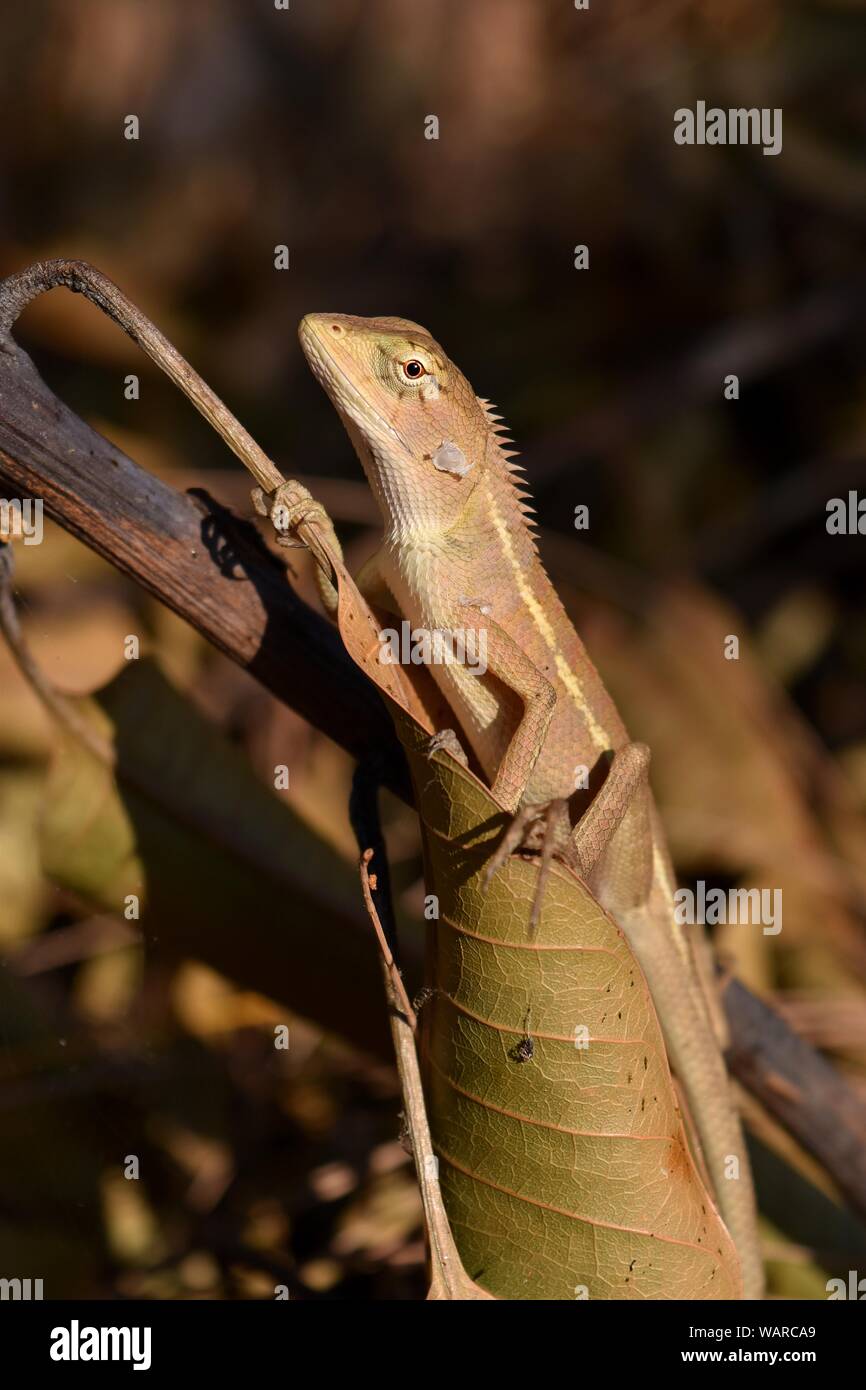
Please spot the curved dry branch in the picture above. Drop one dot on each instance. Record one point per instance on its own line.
(800, 1088)
(188, 551)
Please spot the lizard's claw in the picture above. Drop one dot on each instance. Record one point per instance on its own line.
(447, 741)
(288, 506)
(258, 500)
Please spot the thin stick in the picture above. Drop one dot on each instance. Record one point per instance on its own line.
(449, 1279)
(82, 278)
(368, 883)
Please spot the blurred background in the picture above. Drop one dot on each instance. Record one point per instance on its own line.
(153, 1038)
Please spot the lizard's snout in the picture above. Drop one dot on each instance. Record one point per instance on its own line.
(321, 326)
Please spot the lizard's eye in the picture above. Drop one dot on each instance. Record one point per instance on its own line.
(414, 369)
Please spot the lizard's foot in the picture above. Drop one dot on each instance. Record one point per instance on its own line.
(554, 836)
(542, 830)
(287, 506)
(446, 741)
(511, 840)
(481, 604)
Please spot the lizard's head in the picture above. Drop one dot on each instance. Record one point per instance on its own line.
(412, 416)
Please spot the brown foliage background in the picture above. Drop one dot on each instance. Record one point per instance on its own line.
(261, 127)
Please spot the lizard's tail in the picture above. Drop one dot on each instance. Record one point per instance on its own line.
(697, 1059)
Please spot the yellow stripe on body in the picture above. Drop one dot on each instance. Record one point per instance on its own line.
(600, 739)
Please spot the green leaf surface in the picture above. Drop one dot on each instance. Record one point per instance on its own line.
(563, 1159)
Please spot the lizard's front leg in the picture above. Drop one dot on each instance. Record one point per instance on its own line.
(508, 663)
(288, 506)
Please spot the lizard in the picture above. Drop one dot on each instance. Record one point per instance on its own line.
(459, 554)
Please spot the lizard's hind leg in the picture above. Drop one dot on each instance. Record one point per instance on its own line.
(611, 845)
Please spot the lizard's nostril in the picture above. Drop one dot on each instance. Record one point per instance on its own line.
(335, 328)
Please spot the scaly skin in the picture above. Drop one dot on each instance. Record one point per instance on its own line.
(458, 552)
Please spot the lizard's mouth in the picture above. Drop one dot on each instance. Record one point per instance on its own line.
(326, 368)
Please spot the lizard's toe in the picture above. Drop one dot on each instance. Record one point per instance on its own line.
(511, 840)
(446, 741)
(259, 501)
(288, 506)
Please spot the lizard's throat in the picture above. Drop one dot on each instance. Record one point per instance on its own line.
(379, 472)
(408, 508)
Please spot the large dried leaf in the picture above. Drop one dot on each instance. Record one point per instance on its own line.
(224, 869)
(566, 1172)
(564, 1164)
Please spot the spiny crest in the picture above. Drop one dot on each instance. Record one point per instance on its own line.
(500, 430)
(513, 469)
